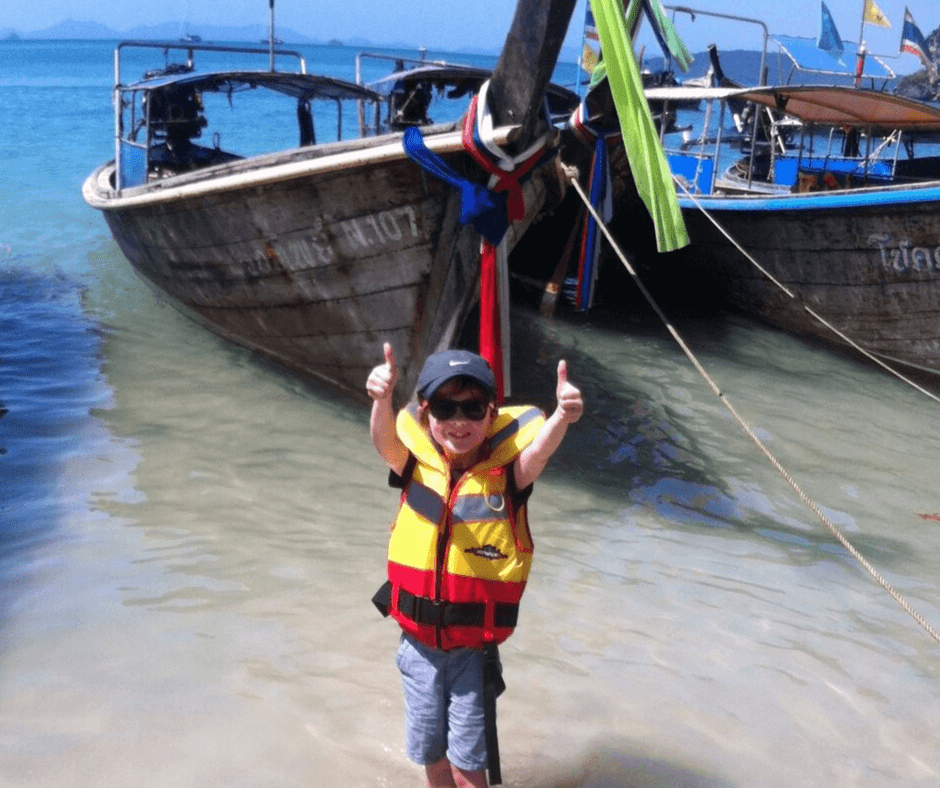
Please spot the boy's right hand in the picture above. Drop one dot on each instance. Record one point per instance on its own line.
(382, 379)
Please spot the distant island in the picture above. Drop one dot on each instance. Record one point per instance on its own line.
(923, 85)
(74, 30)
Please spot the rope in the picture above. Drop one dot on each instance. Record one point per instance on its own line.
(572, 175)
(848, 340)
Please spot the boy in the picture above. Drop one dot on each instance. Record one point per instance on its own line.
(460, 548)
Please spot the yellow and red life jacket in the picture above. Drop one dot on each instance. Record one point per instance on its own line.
(459, 556)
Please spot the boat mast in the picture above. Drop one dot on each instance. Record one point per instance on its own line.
(860, 53)
(271, 37)
(526, 63)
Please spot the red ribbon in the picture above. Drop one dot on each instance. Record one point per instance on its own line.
(491, 335)
(491, 344)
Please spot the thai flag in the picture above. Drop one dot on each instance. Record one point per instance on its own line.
(912, 40)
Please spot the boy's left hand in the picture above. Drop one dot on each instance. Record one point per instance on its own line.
(570, 404)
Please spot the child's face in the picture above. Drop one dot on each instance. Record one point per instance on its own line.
(458, 435)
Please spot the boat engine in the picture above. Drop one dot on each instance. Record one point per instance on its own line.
(175, 114)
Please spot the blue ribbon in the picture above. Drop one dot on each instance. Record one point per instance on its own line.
(484, 209)
(599, 188)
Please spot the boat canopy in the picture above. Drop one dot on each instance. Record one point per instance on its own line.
(300, 86)
(436, 74)
(823, 105)
(806, 55)
(460, 80)
(848, 107)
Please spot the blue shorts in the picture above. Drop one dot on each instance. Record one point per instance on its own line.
(443, 704)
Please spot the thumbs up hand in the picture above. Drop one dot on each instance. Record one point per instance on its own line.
(570, 405)
(382, 379)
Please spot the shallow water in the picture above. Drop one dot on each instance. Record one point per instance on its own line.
(189, 540)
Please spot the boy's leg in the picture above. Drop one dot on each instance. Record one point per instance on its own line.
(444, 774)
(425, 709)
(466, 742)
(468, 779)
(440, 775)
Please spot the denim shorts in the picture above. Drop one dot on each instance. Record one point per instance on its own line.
(443, 704)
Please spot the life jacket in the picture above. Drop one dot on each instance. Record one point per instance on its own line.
(459, 557)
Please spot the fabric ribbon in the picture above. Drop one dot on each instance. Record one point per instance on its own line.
(601, 198)
(490, 210)
(647, 160)
(479, 206)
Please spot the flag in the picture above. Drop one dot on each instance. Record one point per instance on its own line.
(912, 40)
(873, 15)
(829, 39)
(589, 58)
(591, 50)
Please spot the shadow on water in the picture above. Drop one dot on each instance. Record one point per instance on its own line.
(654, 437)
(624, 765)
(50, 381)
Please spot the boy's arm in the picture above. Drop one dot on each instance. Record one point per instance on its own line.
(380, 387)
(535, 456)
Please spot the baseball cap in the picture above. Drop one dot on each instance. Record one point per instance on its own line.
(450, 364)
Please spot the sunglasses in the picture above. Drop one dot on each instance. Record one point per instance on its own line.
(444, 409)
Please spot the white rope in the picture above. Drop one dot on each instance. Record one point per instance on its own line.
(572, 174)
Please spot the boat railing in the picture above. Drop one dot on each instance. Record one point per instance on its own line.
(191, 48)
(132, 156)
(694, 12)
(762, 74)
(788, 156)
(397, 61)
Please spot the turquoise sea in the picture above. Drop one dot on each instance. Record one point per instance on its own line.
(189, 537)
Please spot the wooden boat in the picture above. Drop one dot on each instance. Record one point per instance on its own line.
(834, 191)
(844, 218)
(314, 252)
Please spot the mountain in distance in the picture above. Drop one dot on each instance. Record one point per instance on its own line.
(73, 30)
(743, 67)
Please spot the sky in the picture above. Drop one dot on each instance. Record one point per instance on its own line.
(456, 26)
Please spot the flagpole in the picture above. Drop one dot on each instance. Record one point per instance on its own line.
(860, 53)
(580, 66)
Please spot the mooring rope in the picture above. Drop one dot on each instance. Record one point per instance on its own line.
(572, 175)
(848, 340)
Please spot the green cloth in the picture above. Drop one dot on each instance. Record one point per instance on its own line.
(667, 34)
(645, 154)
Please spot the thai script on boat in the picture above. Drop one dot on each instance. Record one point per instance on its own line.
(902, 257)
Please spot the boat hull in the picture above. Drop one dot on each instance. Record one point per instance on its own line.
(312, 262)
(867, 261)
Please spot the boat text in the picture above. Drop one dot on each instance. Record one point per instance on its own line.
(382, 228)
(902, 257)
(350, 236)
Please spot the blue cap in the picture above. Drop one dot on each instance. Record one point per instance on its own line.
(450, 364)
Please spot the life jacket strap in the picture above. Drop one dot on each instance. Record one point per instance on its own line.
(428, 612)
(493, 686)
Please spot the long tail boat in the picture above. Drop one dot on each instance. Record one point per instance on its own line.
(315, 251)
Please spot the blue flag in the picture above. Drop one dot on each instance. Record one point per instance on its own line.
(829, 39)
